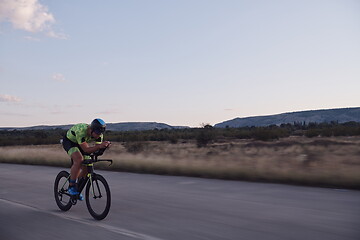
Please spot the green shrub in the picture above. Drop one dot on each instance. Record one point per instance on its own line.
(204, 137)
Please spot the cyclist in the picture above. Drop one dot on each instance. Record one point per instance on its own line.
(75, 143)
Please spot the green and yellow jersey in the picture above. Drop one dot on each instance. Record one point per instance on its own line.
(78, 134)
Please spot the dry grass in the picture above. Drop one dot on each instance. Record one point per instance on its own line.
(330, 162)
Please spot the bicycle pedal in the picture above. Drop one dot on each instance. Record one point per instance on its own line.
(73, 201)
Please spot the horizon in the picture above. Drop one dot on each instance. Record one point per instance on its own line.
(49, 125)
(183, 63)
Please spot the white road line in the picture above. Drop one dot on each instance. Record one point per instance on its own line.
(110, 228)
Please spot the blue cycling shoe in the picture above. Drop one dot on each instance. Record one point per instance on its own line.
(81, 198)
(73, 192)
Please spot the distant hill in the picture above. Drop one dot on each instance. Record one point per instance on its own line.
(126, 126)
(139, 126)
(340, 115)
(39, 127)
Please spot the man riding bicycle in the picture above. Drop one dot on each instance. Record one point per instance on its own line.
(75, 143)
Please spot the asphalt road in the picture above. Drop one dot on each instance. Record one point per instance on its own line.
(151, 207)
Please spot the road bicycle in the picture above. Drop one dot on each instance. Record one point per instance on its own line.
(97, 191)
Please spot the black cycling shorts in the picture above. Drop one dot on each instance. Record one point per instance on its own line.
(71, 147)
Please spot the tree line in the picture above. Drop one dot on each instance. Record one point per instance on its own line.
(202, 136)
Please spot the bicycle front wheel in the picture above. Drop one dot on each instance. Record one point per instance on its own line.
(98, 197)
(63, 200)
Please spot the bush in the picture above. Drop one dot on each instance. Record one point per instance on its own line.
(204, 137)
(312, 133)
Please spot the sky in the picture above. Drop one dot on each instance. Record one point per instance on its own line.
(180, 62)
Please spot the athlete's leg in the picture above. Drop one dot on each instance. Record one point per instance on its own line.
(77, 158)
(83, 172)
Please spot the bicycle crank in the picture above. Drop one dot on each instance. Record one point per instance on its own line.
(73, 200)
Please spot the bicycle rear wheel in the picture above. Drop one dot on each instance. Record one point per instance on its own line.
(63, 200)
(98, 197)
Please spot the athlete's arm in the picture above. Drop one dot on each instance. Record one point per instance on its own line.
(86, 148)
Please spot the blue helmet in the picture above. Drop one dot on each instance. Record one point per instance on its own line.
(98, 126)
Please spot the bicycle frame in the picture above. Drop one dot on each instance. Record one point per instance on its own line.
(89, 163)
(90, 174)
